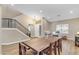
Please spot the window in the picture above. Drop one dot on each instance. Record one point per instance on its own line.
(62, 28)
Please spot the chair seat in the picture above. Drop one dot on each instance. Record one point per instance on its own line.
(31, 52)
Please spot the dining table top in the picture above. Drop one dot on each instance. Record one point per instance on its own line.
(39, 44)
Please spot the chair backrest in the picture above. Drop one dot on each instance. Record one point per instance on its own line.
(52, 47)
(22, 49)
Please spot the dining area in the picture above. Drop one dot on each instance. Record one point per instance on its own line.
(50, 45)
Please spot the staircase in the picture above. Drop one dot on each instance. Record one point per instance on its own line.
(12, 23)
(12, 31)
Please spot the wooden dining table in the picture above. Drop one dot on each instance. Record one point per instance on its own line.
(39, 44)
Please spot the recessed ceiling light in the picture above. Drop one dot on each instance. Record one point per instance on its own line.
(41, 11)
(12, 4)
(71, 11)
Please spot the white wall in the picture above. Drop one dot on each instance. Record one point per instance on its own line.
(73, 26)
(0, 27)
(45, 26)
(25, 20)
(0, 16)
(9, 12)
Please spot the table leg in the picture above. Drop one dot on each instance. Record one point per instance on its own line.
(20, 50)
(55, 51)
(39, 53)
(59, 50)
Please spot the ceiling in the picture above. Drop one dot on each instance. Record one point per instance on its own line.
(8, 12)
(52, 12)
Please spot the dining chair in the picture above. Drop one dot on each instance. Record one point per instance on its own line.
(50, 49)
(54, 47)
(24, 50)
(59, 46)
